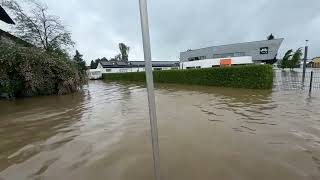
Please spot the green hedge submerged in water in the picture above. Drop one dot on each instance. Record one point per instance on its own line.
(245, 76)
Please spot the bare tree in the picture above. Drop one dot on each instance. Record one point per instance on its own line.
(38, 27)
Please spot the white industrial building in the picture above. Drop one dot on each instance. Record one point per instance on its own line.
(264, 51)
(208, 63)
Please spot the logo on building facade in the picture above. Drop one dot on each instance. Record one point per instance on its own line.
(264, 50)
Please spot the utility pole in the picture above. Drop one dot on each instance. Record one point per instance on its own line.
(150, 86)
(305, 63)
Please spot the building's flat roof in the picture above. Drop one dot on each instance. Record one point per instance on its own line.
(236, 44)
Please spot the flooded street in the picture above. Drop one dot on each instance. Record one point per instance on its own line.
(205, 133)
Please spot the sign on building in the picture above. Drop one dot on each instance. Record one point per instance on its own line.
(264, 50)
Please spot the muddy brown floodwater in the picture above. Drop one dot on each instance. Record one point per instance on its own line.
(205, 133)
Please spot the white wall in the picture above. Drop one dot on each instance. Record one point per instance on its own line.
(124, 70)
(208, 63)
(101, 68)
(95, 74)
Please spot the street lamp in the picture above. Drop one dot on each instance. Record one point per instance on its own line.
(150, 86)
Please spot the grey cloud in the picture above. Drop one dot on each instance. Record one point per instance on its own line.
(176, 25)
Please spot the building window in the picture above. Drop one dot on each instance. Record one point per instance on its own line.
(108, 70)
(190, 67)
(224, 55)
(197, 58)
(173, 68)
(239, 54)
(123, 70)
(157, 69)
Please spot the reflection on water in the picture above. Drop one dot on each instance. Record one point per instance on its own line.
(204, 132)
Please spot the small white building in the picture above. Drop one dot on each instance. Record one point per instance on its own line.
(94, 74)
(208, 63)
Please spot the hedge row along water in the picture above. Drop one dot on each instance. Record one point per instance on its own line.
(247, 76)
(29, 71)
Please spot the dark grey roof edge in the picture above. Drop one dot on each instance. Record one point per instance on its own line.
(248, 42)
(5, 17)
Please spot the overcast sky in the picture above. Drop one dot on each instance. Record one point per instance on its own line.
(98, 26)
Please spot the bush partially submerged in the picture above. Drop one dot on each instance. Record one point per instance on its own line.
(26, 71)
(247, 76)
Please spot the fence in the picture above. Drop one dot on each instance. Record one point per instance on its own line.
(292, 80)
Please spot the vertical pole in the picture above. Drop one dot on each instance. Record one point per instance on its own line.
(311, 79)
(150, 86)
(305, 63)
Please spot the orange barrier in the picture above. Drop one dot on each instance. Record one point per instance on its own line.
(225, 61)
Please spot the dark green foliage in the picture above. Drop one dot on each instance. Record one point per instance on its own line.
(296, 58)
(291, 59)
(92, 65)
(249, 76)
(124, 50)
(80, 65)
(26, 71)
(286, 58)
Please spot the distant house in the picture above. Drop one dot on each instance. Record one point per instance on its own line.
(6, 37)
(134, 66)
(316, 62)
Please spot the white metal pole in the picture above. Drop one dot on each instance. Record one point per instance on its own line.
(150, 86)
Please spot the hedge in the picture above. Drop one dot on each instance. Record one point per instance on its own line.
(246, 76)
(29, 71)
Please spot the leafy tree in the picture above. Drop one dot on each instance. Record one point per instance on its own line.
(286, 58)
(270, 37)
(80, 66)
(30, 71)
(124, 50)
(38, 27)
(92, 65)
(80, 62)
(296, 58)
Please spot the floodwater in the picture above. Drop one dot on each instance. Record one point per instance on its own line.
(205, 133)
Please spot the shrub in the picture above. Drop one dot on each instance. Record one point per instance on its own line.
(28, 71)
(247, 76)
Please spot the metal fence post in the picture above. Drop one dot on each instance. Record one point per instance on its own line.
(305, 63)
(311, 79)
(150, 86)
